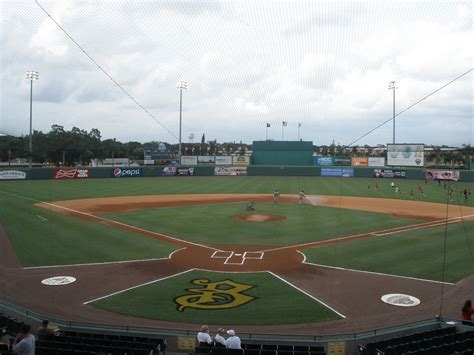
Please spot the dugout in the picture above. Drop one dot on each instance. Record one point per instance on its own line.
(282, 153)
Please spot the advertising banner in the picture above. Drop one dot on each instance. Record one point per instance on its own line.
(71, 173)
(405, 154)
(166, 162)
(377, 161)
(12, 175)
(342, 161)
(344, 172)
(189, 160)
(230, 170)
(359, 161)
(323, 161)
(185, 172)
(206, 159)
(241, 160)
(127, 172)
(452, 175)
(223, 160)
(169, 171)
(390, 173)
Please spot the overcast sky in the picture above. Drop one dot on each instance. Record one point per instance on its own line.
(326, 64)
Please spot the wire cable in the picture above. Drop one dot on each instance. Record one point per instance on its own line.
(411, 106)
(105, 72)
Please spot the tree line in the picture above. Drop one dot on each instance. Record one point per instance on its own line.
(79, 147)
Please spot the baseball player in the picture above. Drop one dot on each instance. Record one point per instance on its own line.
(276, 196)
(301, 196)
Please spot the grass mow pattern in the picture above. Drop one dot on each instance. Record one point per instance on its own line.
(415, 253)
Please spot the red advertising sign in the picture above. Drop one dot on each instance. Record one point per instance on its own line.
(71, 173)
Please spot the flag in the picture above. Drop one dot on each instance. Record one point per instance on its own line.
(284, 123)
(268, 125)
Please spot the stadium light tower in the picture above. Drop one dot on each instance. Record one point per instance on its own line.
(391, 86)
(182, 85)
(31, 75)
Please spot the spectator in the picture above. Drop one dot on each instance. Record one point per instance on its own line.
(219, 340)
(45, 332)
(233, 341)
(467, 312)
(203, 337)
(24, 343)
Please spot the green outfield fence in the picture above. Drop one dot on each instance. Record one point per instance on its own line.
(252, 170)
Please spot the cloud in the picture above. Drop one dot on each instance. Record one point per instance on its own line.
(325, 64)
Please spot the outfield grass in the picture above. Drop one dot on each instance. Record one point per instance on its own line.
(51, 190)
(418, 253)
(213, 223)
(41, 237)
(275, 302)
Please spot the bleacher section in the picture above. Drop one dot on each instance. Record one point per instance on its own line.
(80, 343)
(443, 341)
(265, 349)
(9, 325)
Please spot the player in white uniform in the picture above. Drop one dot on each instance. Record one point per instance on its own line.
(276, 196)
(301, 196)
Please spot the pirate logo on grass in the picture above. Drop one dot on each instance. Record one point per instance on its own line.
(214, 295)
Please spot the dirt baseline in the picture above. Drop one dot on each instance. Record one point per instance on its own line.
(258, 218)
(400, 208)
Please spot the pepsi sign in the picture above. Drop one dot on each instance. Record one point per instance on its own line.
(127, 172)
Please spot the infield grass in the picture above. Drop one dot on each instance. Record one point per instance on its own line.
(213, 223)
(275, 302)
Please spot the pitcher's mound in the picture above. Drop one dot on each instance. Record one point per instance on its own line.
(258, 218)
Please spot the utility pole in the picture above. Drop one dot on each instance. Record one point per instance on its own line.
(182, 85)
(31, 75)
(391, 86)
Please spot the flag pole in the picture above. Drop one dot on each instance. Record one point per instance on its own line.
(266, 131)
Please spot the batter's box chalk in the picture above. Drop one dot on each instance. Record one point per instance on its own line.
(253, 254)
(222, 254)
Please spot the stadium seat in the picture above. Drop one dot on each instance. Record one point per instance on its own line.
(219, 351)
(269, 347)
(301, 348)
(202, 349)
(252, 352)
(252, 346)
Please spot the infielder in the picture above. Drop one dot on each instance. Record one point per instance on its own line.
(276, 196)
(301, 196)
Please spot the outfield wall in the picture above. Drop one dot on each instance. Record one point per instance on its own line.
(252, 170)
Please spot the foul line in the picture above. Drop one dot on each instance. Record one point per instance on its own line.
(94, 264)
(379, 233)
(42, 218)
(137, 286)
(307, 294)
(111, 221)
(378, 273)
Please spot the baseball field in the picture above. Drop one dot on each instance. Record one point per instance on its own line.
(180, 251)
